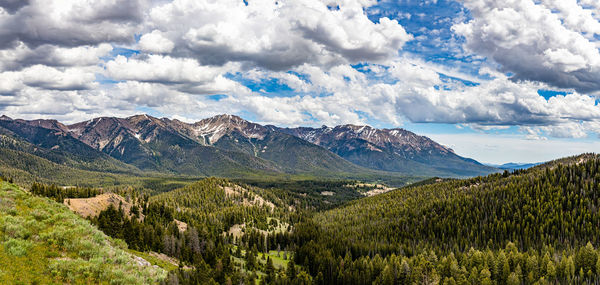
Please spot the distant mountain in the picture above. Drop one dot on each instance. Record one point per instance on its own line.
(290, 153)
(223, 145)
(396, 150)
(514, 166)
(230, 146)
(52, 141)
(163, 145)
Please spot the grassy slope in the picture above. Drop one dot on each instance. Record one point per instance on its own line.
(41, 241)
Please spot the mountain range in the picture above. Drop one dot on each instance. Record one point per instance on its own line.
(227, 145)
(395, 150)
(514, 165)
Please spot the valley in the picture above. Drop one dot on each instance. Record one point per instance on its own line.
(300, 142)
(271, 223)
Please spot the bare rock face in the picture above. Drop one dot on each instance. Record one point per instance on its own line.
(399, 141)
(212, 129)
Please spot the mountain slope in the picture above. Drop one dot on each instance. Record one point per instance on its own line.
(219, 204)
(223, 145)
(290, 153)
(27, 163)
(395, 150)
(230, 146)
(535, 226)
(51, 140)
(43, 242)
(163, 145)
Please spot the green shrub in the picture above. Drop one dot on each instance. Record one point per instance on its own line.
(51, 254)
(99, 238)
(7, 205)
(17, 247)
(14, 227)
(40, 214)
(33, 227)
(89, 249)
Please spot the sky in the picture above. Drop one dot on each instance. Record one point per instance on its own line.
(498, 81)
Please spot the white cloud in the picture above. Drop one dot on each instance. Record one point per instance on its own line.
(551, 41)
(276, 34)
(164, 69)
(155, 42)
(566, 130)
(49, 78)
(71, 23)
(54, 79)
(22, 56)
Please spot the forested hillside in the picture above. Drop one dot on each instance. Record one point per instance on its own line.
(216, 230)
(534, 226)
(541, 223)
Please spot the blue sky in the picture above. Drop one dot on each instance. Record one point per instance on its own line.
(498, 81)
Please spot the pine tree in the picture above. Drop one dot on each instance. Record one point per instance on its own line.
(291, 270)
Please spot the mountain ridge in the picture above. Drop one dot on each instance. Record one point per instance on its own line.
(222, 143)
(397, 150)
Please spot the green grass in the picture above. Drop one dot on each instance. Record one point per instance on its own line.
(278, 261)
(42, 242)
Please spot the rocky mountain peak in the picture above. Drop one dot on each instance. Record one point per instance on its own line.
(397, 138)
(99, 132)
(48, 124)
(216, 127)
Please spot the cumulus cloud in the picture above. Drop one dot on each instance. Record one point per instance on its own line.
(161, 69)
(155, 42)
(49, 78)
(61, 59)
(22, 56)
(274, 34)
(550, 41)
(69, 23)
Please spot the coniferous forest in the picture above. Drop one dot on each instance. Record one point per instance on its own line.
(535, 226)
